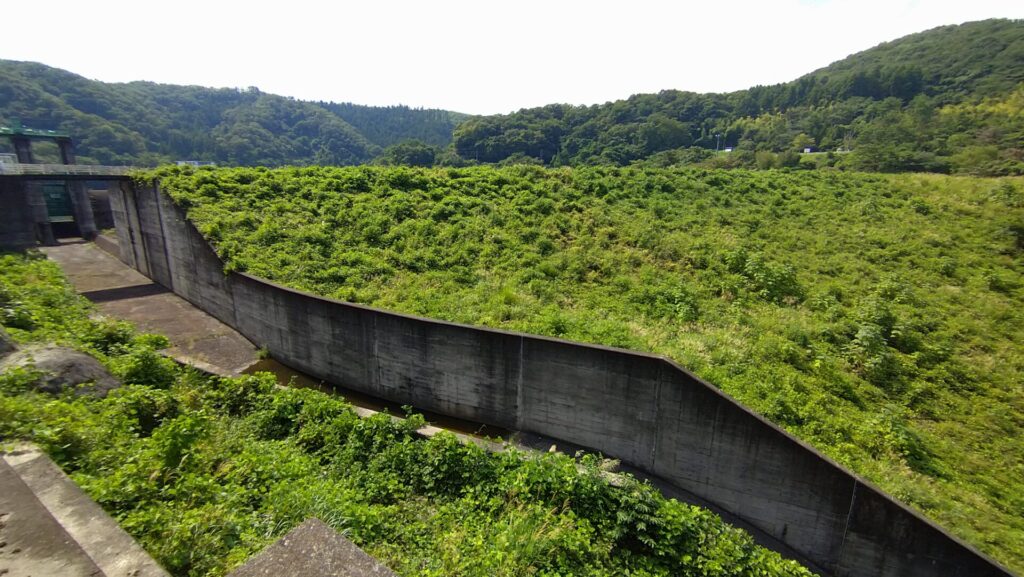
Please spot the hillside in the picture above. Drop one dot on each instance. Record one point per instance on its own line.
(920, 103)
(949, 63)
(877, 317)
(389, 125)
(143, 123)
(891, 105)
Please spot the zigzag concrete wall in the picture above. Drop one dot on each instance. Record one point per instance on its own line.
(643, 409)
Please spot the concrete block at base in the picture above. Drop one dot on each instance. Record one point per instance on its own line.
(32, 542)
(80, 521)
(312, 549)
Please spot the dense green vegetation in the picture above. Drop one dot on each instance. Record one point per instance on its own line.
(143, 123)
(206, 471)
(914, 104)
(878, 317)
(388, 125)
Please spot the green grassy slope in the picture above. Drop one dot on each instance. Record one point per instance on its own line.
(878, 317)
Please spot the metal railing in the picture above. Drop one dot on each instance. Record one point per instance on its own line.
(63, 170)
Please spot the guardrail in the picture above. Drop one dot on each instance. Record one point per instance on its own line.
(63, 170)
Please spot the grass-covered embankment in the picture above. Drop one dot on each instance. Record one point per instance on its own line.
(206, 471)
(878, 317)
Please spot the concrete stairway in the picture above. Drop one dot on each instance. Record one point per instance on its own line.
(49, 527)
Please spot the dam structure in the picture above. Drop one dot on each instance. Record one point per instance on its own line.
(40, 202)
(645, 410)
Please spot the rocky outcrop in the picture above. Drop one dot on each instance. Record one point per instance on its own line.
(61, 368)
(7, 345)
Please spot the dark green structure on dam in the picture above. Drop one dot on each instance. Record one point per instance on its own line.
(41, 202)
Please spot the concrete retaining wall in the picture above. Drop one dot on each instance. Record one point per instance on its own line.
(24, 221)
(99, 200)
(643, 409)
(18, 228)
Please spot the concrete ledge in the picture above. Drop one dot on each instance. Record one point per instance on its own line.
(112, 550)
(32, 542)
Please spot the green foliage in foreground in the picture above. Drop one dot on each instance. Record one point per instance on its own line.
(878, 317)
(207, 471)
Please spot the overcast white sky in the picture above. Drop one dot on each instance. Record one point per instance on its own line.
(472, 56)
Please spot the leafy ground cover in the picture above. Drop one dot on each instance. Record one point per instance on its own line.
(206, 471)
(878, 317)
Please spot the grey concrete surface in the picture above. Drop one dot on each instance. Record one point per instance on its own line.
(643, 409)
(121, 292)
(313, 549)
(18, 227)
(82, 205)
(32, 542)
(68, 532)
(24, 221)
(99, 198)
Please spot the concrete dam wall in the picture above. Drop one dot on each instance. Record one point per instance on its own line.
(643, 409)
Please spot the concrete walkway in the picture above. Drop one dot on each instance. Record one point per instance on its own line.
(50, 528)
(32, 541)
(122, 292)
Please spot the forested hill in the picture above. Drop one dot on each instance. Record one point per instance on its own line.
(950, 64)
(144, 123)
(949, 99)
(388, 125)
(946, 100)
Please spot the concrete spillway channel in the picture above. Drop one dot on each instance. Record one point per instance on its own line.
(199, 340)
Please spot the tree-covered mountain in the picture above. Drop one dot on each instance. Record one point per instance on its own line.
(948, 99)
(389, 125)
(147, 123)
